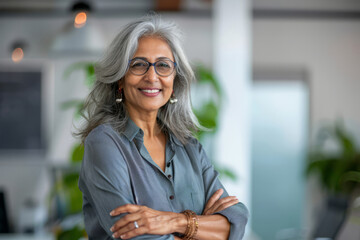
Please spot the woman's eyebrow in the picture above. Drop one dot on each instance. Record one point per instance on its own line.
(143, 58)
(157, 59)
(163, 58)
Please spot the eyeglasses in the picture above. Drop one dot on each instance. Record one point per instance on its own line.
(139, 66)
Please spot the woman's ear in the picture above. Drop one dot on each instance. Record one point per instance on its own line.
(120, 83)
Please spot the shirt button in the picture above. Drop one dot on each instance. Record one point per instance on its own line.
(169, 176)
(168, 165)
(171, 197)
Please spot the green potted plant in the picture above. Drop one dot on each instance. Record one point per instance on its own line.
(65, 196)
(338, 171)
(208, 113)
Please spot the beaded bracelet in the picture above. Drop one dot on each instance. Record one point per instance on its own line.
(196, 223)
(188, 227)
(192, 224)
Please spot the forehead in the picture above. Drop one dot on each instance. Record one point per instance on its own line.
(152, 48)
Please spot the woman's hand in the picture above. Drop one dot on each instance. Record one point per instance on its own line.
(215, 204)
(149, 221)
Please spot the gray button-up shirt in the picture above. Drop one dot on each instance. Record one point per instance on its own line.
(117, 169)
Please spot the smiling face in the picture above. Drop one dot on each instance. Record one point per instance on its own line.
(148, 92)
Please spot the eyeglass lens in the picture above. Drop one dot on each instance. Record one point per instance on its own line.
(162, 67)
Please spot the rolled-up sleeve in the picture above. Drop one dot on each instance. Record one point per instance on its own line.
(237, 214)
(105, 183)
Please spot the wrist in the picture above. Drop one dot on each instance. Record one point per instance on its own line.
(180, 223)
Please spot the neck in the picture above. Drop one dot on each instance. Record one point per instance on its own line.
(147, 122)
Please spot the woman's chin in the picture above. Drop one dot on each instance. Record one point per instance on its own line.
(148, 108)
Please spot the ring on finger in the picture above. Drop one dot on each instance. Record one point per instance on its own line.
(136, 224)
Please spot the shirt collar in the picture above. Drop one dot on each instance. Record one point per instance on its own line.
(132, 130)
(173, 139)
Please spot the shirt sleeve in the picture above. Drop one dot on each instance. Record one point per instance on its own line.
(237, 214)
(105, 182)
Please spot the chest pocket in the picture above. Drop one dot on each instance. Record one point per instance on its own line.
(197, 202)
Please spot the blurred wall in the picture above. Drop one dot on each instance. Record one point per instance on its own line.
(327, 50)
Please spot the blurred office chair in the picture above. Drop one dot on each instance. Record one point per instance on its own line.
(4, 224)
(332, 217)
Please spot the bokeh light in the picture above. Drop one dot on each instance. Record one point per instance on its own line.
(80, 20)
(17, 55)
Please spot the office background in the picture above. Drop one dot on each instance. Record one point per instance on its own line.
(287, 68)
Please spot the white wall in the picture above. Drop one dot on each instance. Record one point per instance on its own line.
(346, 5)
(329, 51)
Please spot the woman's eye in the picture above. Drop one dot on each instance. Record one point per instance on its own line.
(163, 65)
(138, 64)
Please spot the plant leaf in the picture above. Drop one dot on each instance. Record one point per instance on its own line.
(89, 69)
(353, 176)
(71, 104)
(90, 75)
(205, 75)
(344, 140)
(77, 153)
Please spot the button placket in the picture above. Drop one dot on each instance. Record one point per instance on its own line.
(169, 172)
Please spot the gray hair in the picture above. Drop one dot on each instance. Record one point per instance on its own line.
(100, 106)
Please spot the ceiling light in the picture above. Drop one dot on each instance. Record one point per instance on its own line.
(81, 10)
(78, 36)
(80, 19)
(17, 51)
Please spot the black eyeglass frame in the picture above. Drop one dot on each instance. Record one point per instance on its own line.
(151, 64)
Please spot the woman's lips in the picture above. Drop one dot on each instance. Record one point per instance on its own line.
(150, 92)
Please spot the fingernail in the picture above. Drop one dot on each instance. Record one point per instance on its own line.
(114, 236)
(112, 213)
(112, 229)
(122, 236)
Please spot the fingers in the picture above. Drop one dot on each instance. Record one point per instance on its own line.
(221, 204)
(127, 208)
(132, 232)
(149, 221)
(213, 199)
(226, 205)
(146, 225)
(129, 230)
(126, 222)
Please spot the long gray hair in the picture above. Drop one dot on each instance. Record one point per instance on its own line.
(100, 106)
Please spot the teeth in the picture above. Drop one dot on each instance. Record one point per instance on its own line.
(150, 91)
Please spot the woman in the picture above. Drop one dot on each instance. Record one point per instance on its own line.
(143, 175)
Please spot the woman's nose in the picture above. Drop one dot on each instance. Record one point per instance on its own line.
(151, 74)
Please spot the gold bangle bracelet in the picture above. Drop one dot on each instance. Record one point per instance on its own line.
(196, 220)
(188, 226)
(192, 224)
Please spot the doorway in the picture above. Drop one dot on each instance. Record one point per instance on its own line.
(280, 113)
